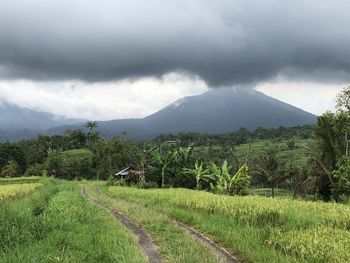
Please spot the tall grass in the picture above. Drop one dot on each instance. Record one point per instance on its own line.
(281, 225)
(56, 224)
(174, 243)
(16, 190)
(20, 180)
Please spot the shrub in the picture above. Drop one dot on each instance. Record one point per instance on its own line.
(240, 181)
(341, 179)
(11, 169)
(35, 170)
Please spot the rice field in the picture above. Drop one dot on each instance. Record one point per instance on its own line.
(51, 221)
(57, 224)
(16, 190)
(284, 229)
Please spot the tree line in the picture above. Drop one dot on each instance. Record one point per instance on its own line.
(199, 161)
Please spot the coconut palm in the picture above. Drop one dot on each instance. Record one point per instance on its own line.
(272, 169)
(90, 125)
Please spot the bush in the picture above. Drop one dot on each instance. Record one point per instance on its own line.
(341, 179)
(11, 169)
(240, 181)
(35, 170)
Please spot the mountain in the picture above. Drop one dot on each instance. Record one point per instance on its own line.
(21, 123)
(216, 111)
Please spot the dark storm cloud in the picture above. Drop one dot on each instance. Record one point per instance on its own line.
(224, 42)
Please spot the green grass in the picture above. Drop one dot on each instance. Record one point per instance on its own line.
(15, 191)
(20, 180)
(297, 154)
(77, 153)
(174, 243)
(56, 224)
(258, 229)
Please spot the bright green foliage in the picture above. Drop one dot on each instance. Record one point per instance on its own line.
(56, 224)
(200, 174)
(240, 181)
(222, 178)
(341, 178)
(225, 183)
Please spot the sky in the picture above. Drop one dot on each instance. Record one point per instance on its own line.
(112, 59)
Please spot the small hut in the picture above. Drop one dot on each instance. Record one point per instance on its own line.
(130, 173)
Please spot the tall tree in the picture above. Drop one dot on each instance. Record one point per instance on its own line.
(91, 125)
(271, 168)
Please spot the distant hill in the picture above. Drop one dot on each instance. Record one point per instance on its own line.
(20, 123)
(216, 111)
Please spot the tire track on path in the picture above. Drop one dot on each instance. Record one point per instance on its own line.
(221, 252)
(145, 242)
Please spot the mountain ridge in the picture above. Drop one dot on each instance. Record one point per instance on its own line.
(215, 111)
(22, 123)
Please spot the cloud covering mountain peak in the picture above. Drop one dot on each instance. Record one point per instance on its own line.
(224, 42)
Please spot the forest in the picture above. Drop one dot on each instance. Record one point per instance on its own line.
(306, 161)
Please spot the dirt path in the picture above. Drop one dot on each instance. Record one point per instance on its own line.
(149, 248)
(222, 253)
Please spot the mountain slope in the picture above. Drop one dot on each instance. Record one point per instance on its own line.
(226, 110)
(216, 111)
(14, 118)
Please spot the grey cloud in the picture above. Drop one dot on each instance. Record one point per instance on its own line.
(223, 42)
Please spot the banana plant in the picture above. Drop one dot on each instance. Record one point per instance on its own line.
(222, 178)
(227, 183)
(163, 161)
(200, 174)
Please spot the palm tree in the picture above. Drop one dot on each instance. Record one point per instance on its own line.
(200, 174)
(90, 125)
(271, 169)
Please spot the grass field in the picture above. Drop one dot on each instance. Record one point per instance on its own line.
(296, 155)
(54, 222)
(16, 190)
(258, 229)
(20, 180)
